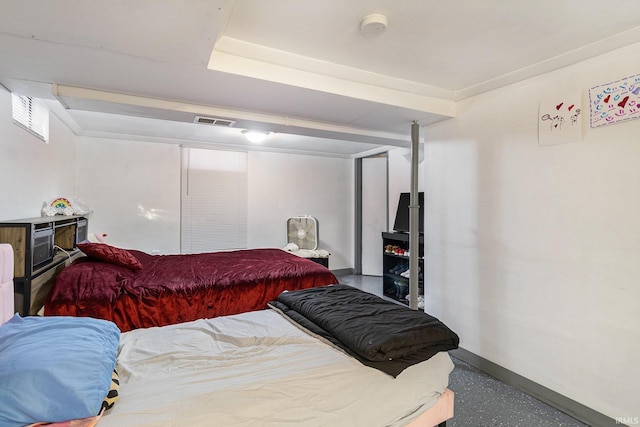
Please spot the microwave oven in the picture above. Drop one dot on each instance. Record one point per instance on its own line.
(42, 248)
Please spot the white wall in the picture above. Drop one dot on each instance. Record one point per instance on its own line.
(286, 185)
(32, 172)
(533, 253)
(134, 190)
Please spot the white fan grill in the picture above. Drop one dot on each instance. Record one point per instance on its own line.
(303, 231)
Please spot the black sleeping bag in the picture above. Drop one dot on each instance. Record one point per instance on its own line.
(379, 333)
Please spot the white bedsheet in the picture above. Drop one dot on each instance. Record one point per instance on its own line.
(257, 369)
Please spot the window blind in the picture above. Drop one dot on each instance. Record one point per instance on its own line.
(32, 115)
(214, 200)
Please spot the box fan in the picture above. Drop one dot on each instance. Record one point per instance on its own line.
(303, 231)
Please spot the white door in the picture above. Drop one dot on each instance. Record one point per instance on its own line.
(374, 213)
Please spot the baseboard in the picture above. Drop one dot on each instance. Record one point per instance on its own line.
(542, 393)
(342, 272)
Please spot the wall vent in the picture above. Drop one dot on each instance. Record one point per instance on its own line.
(214, 121)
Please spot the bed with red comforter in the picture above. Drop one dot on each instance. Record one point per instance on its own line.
(168, 289)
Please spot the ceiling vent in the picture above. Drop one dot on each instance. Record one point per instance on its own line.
(214, 121)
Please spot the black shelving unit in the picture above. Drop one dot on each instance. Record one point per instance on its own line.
(395, 261)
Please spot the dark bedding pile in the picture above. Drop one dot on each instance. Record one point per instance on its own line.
(381, 334)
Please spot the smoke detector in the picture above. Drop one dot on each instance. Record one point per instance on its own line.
(373, 25)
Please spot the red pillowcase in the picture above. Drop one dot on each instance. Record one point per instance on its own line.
(111, 254)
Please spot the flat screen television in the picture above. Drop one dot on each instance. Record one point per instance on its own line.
(401, 223)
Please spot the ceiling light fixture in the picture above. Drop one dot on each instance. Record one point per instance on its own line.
(255, 136)
(373, 25)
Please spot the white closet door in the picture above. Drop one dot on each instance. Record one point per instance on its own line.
(214, 200)
(374, 213)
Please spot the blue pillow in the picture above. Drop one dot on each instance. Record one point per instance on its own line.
(54, 369)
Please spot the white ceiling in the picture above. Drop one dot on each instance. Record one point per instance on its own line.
(299, 68)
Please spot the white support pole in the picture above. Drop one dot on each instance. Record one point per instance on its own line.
(414, 211)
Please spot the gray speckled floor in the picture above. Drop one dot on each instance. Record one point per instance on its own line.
(484, 401)
(481, 400)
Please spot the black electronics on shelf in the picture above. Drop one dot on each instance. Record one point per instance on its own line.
(401, 223)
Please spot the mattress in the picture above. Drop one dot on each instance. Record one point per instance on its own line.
(172, 289)
(259, 369)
